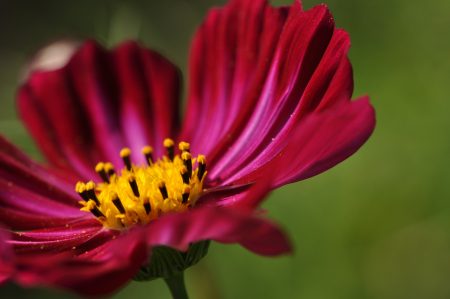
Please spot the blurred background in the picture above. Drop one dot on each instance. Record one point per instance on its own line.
(377, 226)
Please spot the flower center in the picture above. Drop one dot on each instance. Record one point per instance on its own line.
(142, 193)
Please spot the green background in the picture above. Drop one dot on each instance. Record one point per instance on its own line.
(376, 226)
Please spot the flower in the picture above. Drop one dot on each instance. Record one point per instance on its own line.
(269, 103)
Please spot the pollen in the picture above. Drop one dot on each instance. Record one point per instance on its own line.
(139, 194)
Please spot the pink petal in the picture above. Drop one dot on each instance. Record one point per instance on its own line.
(99, 271)
(6, 259)
(32, 196)
(233, 224)
(230, 59)
(19, 159)
(82, 257)
(22, 199)
(256, 73)
(330, 84)
(46, 104)
(86, 111)
(20, 220)
(67, 237)
(302, 43)
(149, 87)
(319, 142)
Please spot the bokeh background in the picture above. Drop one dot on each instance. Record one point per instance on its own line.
(377, 226)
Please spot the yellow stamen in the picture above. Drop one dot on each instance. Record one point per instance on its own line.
(91, 206)
(187, 160)
(169, 145)
(125, 154)
(168, 142)
(186, 192)
(147, 151)
(201, 159)
(185, 174)
(90, 185)
(101, 170)
(99, 167)
(186, 156)
(184, 146)
(109, 168)
(138, 194)
(201, 167)
(80, 187)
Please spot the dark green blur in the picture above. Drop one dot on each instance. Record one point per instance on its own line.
(375, 227)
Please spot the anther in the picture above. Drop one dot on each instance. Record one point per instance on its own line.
(118, 203)
(185, 175)
(163, 190)
(185, 195)
(134, 186)
(109, 168)
(80, 188)
(147, 151)
(201, 166)
(97, 212)
(169, 145)
(184, 146)
(147, 206)
(125, 154)
(94, 209)
(90, 190)
(100, 169)
(187, 160)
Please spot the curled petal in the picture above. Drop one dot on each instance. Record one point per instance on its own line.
(53, 56)
(219, 224)
(319, 142)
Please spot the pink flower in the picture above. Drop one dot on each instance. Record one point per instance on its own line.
(269, 103)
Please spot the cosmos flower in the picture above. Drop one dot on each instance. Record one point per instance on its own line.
(269, 103)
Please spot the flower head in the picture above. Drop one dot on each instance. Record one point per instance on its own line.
(269, 103)
(141, 194)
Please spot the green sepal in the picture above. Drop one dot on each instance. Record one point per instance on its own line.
(165, 262)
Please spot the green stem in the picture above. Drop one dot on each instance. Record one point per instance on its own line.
(176, 286)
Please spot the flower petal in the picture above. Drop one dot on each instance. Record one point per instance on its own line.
(70, 236)
(230, 58)
(6, 260)
(32, 196)
(319, 142)
(233, 221)
(85, 112)
(303, 44)
(99, 271)
(150, 87)
(22, 199)
(277, 76)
